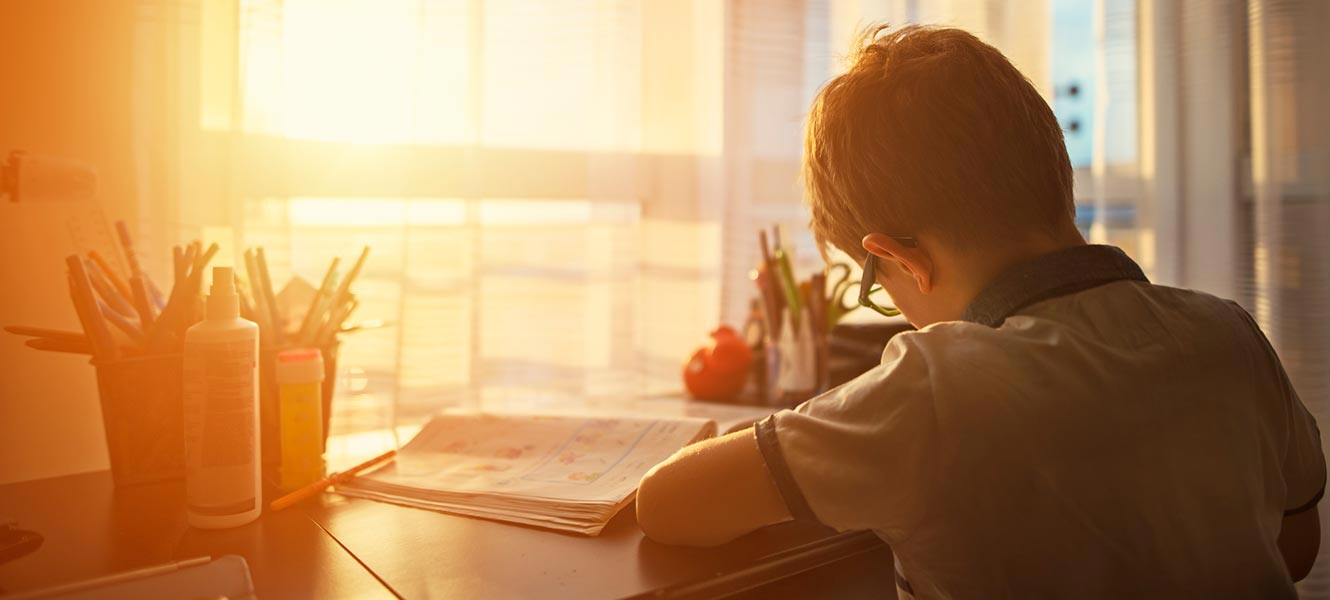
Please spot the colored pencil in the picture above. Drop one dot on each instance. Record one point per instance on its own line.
(269, 298)
(141, 302)
(785, 276)
(53, 345)
(316, 304)
(121, 322)
(260, 304)
(335, 320)
(85, 304)
(107, 290)
(317, 487)
(116, 280)
(42, 332)
(762, 278)
(766, 249)
(366, 325)
(154, 293)
(127, 247)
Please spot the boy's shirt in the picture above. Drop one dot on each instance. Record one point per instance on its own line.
(1082, 433)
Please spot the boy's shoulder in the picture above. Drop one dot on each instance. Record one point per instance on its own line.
(1124, 328)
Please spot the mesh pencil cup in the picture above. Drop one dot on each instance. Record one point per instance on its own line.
(143, 417)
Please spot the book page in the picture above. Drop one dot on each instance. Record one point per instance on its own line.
(559, 457)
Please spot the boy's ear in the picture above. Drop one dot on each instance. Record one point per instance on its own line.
(914, 261)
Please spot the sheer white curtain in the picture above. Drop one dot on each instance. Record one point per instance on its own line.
(561, 197)
(538, 181)
(1290, 205)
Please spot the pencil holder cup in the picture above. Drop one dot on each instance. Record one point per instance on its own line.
(142, 411)
(796, 363)
(270, 416)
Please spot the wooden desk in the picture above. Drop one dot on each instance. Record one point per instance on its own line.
(421, 553)
(338, 547)
(92, 529)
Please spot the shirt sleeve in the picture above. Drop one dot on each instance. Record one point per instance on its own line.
(862, 456)
(1303, 463)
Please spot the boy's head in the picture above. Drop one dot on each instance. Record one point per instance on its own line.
(934, 135)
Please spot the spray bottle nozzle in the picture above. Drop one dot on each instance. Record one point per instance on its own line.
(223, 281)
(223, 302)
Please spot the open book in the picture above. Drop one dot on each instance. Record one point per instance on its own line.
(564, 472)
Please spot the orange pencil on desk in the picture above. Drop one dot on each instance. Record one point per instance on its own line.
(315, 488)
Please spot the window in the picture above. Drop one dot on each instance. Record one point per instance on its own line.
(549, 189)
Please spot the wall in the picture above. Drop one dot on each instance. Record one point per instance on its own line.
(65, 92)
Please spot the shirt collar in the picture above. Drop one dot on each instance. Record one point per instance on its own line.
(1049, 276)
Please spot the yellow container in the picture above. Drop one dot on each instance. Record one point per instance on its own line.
(300, 403)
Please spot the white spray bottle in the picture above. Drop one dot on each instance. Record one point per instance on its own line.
(223, 485)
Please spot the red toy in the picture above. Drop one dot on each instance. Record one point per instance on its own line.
(717, 371)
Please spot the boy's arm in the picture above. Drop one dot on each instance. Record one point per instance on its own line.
(709, 493)
(1300, 541)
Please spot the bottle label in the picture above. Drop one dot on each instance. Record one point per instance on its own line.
(219, 390)
(221, 426)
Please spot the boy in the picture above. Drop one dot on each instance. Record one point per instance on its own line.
(1057, 426)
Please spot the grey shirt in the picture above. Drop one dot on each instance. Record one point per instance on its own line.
(1083, 433)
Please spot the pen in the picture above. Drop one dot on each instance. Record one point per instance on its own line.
(195, 289)
(325, 289)
(246, 306)
(178, 264)
(85, 304)
(127, 246)
(762, 277)
(102, 284)
(344, 290)
(154, 293)
(119, 283)
(791, 289)
(269, 298)
(334, 323)
(141, 305)
(818, 302)
(773, 269)
(88, 587)
(181, 309)
(365, 325)
(121, 322)
(315, 488)
(260, 305)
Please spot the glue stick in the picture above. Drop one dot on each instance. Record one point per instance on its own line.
(300, 400)
(221, 408)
